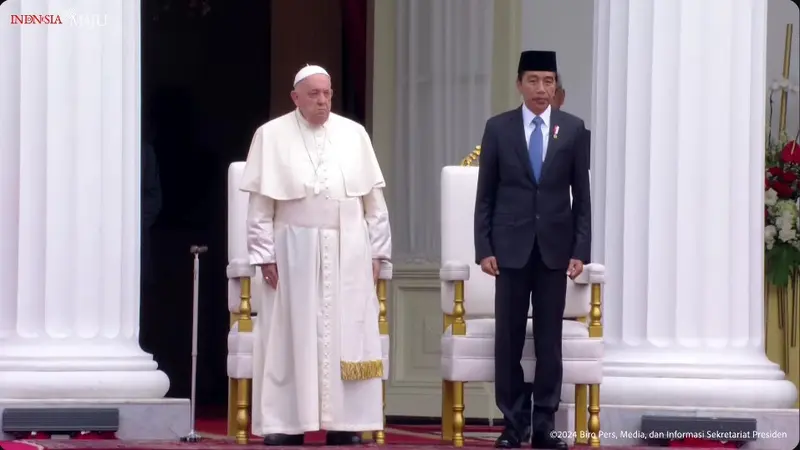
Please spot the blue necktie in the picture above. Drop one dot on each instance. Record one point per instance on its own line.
(536, 147)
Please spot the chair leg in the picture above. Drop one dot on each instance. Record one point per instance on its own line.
(594, 415)
(380, 435)
(458, 414)
(242, 413)
(581, 419)
(447, 411)
(233, 387)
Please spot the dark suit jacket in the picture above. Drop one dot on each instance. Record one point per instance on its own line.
(512, 210)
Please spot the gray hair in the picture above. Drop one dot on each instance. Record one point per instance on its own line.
(558, 81)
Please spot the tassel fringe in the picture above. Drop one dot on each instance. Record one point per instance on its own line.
(362, 370)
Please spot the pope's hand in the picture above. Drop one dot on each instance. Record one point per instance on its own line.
(270, 274)
(489, 266)
(376, 270)
(575, 268)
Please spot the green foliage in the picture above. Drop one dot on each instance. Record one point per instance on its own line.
(782, 261)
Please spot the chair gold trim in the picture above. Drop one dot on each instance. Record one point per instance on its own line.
(239, 390)
(383, 327)
(472, 158)
(587, 397)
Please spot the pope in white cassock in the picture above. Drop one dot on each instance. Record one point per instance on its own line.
(318, 228)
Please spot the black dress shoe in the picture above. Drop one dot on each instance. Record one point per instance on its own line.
(281, 440)
(544, 441)
(510, 438)
(342, 438)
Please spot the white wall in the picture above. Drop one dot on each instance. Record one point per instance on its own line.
(566, 26)
(779, 14)
(414, 313)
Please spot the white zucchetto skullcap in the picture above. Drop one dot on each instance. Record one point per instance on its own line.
(307, 71)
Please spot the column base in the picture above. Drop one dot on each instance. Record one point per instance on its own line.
(84, 385)
(76, 370)
(698, 392)
(703, 379)
(139, 419)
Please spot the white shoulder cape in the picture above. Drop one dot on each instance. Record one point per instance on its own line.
(278, 154)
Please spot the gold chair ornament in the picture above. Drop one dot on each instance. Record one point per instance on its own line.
(239, 394)
(473, 158)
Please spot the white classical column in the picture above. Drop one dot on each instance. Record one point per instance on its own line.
(69, 205)
(678, 197)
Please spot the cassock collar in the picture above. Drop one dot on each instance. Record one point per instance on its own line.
(307, 125)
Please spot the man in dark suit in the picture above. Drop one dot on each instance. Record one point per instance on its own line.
(560, 95)
(530, 238)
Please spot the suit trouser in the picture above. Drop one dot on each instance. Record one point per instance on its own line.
(515, 291)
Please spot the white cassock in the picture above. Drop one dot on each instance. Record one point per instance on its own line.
(317, 210)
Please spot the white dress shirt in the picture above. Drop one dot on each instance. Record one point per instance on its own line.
(527, 121)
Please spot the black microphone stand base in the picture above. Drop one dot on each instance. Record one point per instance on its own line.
(192, 437)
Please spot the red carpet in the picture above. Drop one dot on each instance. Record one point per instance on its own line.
(394, 435)
(213, 432)
(398, 437)
(222, 445)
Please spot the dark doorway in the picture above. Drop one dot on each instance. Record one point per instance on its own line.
(205, 89)
(209, 71)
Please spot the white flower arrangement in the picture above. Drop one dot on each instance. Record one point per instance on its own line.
(784, 225)
(781, 199)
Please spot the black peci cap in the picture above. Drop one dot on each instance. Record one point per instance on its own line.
(538, 61)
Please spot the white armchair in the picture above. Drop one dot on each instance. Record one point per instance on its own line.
(245, 297)
(467, 298)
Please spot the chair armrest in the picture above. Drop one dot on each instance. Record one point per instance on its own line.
(454, 271)
(592, 274)
(595, 275)
(240, 268)
(381, 290)
(457, 273)
(386, 270)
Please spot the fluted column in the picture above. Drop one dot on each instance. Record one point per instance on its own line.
(69, 205)
(678, 176)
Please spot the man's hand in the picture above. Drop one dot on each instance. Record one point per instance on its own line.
(270, 274)
(376, 270)
(489, 266)
(575, 268)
